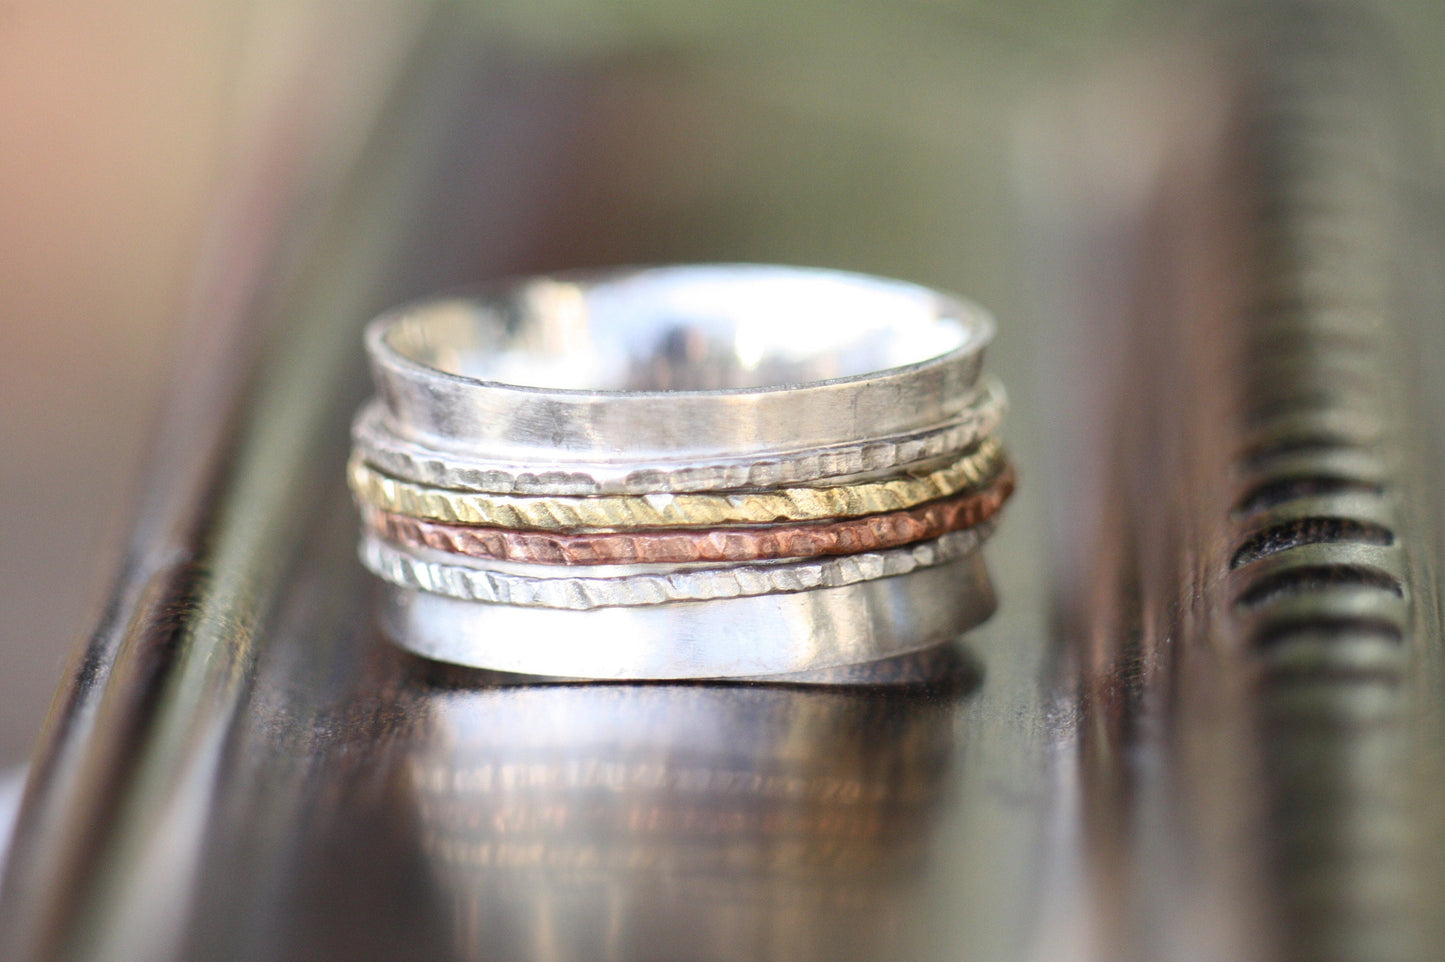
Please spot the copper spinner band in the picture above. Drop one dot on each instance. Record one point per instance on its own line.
(684, 545)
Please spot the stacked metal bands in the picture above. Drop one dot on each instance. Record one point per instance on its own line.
(681, 436)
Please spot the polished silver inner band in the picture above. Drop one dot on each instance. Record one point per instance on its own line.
(727, 638)
(677, 363)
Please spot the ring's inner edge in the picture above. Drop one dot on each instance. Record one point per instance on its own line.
(684, 329)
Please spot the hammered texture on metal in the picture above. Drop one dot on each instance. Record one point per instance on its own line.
(403, 458)
(475, 583)
(680, 546)
(614, 512)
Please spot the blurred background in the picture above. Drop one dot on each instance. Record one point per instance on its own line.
(118, 126)
(120, 123)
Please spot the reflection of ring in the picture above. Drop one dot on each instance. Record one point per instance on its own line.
(379, 444)
(619, 512)
(727, 638)
(643, 585)
(873, 532)
(723, 471)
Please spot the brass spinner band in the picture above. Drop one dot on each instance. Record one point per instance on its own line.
(622, 512)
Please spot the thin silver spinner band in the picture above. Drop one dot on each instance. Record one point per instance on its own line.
(728, 638)
(677, 363)
(642, 585)
(465, 470)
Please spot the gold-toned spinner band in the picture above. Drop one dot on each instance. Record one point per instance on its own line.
(622, 512)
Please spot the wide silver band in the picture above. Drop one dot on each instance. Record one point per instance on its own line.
(678, 363)
(381, 445)
(627, 402)
(726, 638)
(610, 586)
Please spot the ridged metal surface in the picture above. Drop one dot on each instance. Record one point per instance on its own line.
(1280, 651)
(1329, 605)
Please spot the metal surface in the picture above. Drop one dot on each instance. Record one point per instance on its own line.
(557, 369)
(747, 636)
(1204, 723)
(621, 586)
(616, 512)
(379, 445)
(685, 546)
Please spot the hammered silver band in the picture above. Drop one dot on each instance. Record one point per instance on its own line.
(706, 471)
(747, 637)
(382, 445)
(616, 586)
